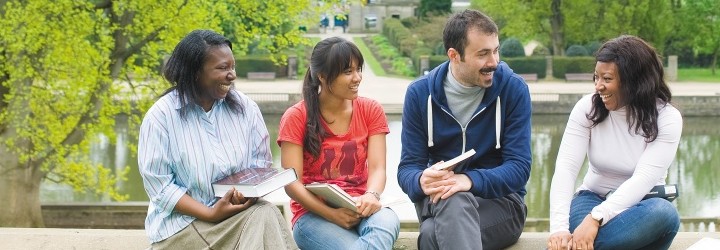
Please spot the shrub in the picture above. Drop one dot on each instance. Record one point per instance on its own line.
(258, 63)
(541, 50)
(511, 47)
(528, 65)
(580, 64)
(592, 47)
(409, 22)
(437, 60)
(576, 50)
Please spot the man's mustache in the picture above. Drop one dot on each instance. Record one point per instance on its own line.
(487, 70)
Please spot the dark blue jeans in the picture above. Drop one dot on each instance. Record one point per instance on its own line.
(650, 224)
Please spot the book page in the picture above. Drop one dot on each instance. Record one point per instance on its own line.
(454, 161)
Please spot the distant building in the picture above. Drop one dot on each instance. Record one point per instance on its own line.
(369, 18)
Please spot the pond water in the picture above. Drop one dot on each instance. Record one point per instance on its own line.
(694, 169)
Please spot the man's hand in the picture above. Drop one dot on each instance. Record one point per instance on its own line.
(559, 241)
(584, 235)
(434, 182)
(461, 182)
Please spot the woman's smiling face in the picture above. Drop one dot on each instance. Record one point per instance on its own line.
(607, 85)
(217, 75)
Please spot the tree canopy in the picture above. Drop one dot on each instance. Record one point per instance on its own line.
(434, 7)
(68, 68)
(563, 23)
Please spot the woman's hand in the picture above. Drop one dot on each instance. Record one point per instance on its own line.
(238, 198)
(584, 235)
(559, 241)
(232, 203)
(367, 204)
(344, 217)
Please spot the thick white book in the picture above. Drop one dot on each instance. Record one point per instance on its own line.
(454, 161)
(334, 196)
(255, 182)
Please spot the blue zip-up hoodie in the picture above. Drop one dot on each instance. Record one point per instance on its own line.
(499, 131)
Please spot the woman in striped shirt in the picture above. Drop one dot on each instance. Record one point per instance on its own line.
(199, 131)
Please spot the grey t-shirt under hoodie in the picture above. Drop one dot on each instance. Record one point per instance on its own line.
(462, 100)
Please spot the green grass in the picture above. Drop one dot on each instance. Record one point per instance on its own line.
(698, 75)
(370, 59)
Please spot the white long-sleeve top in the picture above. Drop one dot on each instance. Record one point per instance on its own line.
(619, 159)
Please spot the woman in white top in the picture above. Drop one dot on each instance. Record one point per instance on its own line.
(629, 132)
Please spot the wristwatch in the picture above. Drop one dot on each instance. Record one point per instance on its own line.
(597, 216)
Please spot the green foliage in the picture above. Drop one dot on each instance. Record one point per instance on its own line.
(390, 57)
(697, 75)
(592, 47)
(528, 65)
(576, 50)
(258, 63)
(437, 60)
(69, 67)
(511, 47)
(370, 61)
(541, 50)
(562, 65)
(700, 23)
(580, 21)
(429, 30)
(434, 7)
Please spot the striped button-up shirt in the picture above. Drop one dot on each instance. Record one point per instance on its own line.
(178, 156)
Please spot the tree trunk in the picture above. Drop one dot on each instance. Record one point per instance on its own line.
(556, 24)
(20, 191)
(713, 66)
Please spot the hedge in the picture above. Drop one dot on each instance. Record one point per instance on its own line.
(578, 64)
(528, 65)
(258, 63)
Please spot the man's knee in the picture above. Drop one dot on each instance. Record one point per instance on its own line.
(456, 205)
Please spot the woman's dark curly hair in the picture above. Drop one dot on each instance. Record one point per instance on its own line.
(642, 83)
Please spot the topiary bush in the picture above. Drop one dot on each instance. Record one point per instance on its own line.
(592, 47)
(576, 50)
(511, 47)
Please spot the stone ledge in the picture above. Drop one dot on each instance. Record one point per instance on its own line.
(80, 239)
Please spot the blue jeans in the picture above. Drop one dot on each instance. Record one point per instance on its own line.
(650, 224)
(379, 231)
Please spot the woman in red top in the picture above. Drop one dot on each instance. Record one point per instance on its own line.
(333, 136)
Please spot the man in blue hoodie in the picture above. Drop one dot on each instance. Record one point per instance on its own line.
(472, 101)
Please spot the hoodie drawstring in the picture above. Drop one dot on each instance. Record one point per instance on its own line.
(497, 124)
(430, 122)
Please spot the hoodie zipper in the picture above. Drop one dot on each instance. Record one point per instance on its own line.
(463, 128)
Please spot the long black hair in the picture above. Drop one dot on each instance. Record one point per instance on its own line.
(642, 83)
(185, 65)
(330, 58)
